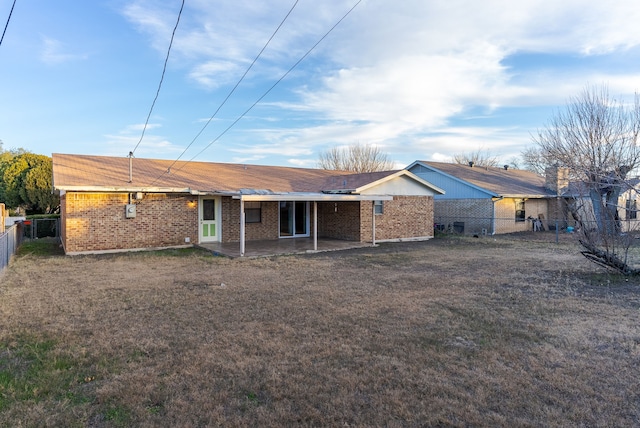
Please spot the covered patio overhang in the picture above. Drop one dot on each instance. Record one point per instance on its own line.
(310, 197)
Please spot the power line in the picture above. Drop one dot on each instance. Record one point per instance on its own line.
(164, 69)
(7, 24)
(277, 82)
(268, 90)
(236, 85)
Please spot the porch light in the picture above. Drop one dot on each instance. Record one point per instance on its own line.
(191, 203)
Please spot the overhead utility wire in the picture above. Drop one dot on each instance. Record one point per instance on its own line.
(164, 69)
(8, 19)
(235, 87)
(273, 86)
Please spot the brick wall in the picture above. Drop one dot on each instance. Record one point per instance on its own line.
(339, 220)
(93, 222)
(96, 221)
(404, 217)
(266, 229)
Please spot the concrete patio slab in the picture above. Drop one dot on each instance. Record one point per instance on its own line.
(280, 247)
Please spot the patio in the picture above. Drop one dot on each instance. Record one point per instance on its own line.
(280, 247)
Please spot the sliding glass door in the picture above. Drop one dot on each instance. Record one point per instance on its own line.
(294, 218)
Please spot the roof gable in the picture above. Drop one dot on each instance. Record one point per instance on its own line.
(386, 182)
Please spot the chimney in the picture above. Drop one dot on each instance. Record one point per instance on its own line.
(557, 179)
(471, 164)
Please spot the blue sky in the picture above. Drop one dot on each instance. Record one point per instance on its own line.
(419, 79)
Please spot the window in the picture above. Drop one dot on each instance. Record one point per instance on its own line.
(631, 209)
(520, 210)
(252, 212)
(378, 208)
(208, 209)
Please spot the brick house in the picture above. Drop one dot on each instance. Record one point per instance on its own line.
(119, 204)
(490, 200)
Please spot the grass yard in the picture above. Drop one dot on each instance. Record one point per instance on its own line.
(449, 332)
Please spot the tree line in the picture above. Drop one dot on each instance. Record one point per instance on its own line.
(26, 182)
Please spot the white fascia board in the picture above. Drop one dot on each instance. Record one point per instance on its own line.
(319, 197)
(132, 189)
(529, 196)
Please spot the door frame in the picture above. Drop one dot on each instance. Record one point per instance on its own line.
(218, 219)
(307, 220)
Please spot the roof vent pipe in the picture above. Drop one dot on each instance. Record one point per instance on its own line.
(130, 167)
(471, 164)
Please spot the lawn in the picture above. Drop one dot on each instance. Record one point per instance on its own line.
(452, 332)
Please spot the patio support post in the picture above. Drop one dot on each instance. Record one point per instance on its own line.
(373, 222)
(241, 227)
(315, 225)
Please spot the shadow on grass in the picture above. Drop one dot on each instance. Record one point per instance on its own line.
(51, 247)
(44, 247)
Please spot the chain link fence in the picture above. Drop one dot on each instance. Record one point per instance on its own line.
(622, 236)
(22, 230)
(9, 242)
(487, 226)
(41, 228)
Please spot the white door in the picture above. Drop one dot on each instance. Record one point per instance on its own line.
(209, 214)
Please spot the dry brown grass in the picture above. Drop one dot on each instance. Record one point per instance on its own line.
(453, 331)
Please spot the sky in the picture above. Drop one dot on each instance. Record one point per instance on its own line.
(420, 80)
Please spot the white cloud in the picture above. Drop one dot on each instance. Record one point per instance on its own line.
(55, 52)
(138, 127)
(303, 163)
(396, 73)
(151, 145)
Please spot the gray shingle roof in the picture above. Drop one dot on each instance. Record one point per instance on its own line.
(500, 181)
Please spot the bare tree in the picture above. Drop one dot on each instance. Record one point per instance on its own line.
(355, 158)
(480, 157)
(596, 137)
(533, 160)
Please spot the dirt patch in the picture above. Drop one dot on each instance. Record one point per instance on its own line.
(452, 331)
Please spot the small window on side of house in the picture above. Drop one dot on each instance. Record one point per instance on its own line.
(378, 207)
(252, 212)
(631, 209)
(520, 212)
